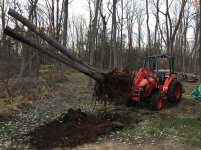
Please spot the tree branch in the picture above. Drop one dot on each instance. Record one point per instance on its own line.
(52, 53)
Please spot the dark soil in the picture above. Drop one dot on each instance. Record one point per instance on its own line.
(76, 128)
(72, 129)
(116, 86)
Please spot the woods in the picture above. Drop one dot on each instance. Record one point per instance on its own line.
(116, 33)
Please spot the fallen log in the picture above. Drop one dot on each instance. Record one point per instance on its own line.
(52, 53)
(109, 86)
(47, 38)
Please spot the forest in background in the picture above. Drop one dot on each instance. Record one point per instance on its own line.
(115, 33)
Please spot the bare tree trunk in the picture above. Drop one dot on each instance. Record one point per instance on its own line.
(167, 27)
(172, 38)
(184, 49)
(157, 23)
(130, 46)
(104, 42)
(93, 42)
(3, 53)
(139, 21)
(111, 50)
(130, 12)
(17, 29)
(32, 66)
(186, 24)
(94, 31)
(148, 29)
(122, 24)
(27, 52)
(114, 25)
(65, 24)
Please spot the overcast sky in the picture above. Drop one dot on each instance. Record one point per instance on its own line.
(80, 8)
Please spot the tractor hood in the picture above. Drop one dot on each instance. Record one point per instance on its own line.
(145, 82)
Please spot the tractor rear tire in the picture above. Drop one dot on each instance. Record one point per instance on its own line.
(130, 102)
(174, 92)
(156, 102)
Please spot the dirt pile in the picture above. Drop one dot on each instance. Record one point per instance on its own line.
(74, 128)
(116, 86)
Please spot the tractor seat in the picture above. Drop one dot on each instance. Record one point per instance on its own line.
(161, 76)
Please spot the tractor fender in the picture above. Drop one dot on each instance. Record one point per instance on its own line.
(167, 83)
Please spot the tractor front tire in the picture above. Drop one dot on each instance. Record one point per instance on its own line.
(174, 92)
(156, 102)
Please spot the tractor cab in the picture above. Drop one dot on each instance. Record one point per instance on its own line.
(162, 66)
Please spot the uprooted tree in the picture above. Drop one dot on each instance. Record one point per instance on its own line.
(108, 86)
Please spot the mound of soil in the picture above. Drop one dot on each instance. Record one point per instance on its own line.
(76, 128)
(116, 86)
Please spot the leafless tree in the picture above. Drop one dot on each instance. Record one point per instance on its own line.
(65, 24)
(148, 28)
(130, 14)
(3, 21)
(114, 31)
(105, 19)
(171, 29)
(94, 31)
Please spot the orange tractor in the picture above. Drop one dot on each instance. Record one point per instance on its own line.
(155, 84)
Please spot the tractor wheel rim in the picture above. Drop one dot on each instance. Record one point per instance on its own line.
(159, 103)
(177, 92)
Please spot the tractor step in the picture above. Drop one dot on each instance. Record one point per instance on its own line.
(136, 95)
